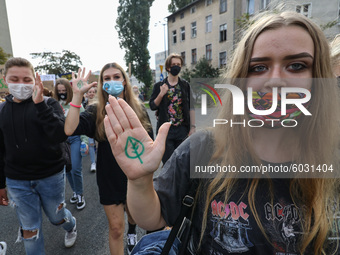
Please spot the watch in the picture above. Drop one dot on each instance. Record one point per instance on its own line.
(193, 126)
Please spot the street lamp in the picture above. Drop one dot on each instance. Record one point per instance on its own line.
(163, 23)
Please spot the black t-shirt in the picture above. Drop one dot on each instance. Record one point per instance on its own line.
(231, 226)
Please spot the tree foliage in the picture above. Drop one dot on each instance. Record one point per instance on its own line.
(133, 30)
(56, 62)
(177, 4)
(3, 56)
(202, 70)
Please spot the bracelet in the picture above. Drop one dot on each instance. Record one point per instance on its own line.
(76, 106)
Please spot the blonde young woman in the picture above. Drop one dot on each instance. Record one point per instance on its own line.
(110, 178)
(250, 216)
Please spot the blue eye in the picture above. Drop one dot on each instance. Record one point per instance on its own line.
(297, 66)
(257, 69)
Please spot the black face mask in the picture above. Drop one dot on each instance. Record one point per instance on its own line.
(174, 70)
(62, 96)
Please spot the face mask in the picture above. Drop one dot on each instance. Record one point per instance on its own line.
(263, 101)
(114, 88)
(174, 70)
(20, 91)
(62, 96)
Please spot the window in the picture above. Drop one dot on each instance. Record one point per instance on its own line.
(223, 32)
(182, 33)
(173, 19)
(183, 57)
(305, 9)
(193, 9)
(182, 15)
(208, 50)
(222, 59)
(208, 2)
(223, 6)
(193, 30)
(174, 37)
(208, 24)
(250, 7)
(264, 4)
(193, 56)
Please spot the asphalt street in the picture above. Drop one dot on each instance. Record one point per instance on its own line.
(91, 221)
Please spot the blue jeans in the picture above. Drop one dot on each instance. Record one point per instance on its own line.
(28, 197)
(152, 244)
(91, 150)
(75, 176)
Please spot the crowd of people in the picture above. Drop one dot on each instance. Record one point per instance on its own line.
(280, 51)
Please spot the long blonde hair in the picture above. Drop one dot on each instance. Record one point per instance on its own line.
(129, 97)
(317, 138)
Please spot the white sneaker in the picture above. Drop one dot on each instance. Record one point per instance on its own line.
(70, 237)
(81, 202)
(93, 167)
(74, 198)
(3, 248)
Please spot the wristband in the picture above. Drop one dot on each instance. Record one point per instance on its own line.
(76, 106)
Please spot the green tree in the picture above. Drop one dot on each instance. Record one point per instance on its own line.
(177, 4)
(203, 69)
(133, 30)
(3, 56)
(186, 74)
(56, 62)
(202, 72)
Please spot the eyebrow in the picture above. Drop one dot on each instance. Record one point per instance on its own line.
(289, 57)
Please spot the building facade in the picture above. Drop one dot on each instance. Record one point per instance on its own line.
(204, 28)
(5, 37)
(211, 28)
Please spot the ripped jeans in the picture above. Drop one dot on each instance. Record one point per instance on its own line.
(28, 197)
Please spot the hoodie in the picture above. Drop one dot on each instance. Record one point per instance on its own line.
(30, 137)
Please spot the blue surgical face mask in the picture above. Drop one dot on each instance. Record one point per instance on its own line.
(114, 88)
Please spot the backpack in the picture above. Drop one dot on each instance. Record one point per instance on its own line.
(65, 146)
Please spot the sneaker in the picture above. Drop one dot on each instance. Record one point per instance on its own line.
(71, 236)
(131, 242)
(3, 248)
(74, 198)
(80, 202)
(93, 167)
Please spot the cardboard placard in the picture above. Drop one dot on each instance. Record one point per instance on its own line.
(49, 85)
(93, 78)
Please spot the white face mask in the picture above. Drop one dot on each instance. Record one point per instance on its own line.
(20, 91)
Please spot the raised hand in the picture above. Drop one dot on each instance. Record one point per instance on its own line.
(164, 89)
(136, 153)
(79, 84)
(38, 90)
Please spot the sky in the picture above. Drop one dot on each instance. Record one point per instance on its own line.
(85, 27)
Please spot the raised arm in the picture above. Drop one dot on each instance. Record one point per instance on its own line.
(79, 87)
(138, 156)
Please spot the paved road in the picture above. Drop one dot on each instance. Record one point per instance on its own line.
(91, 221)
